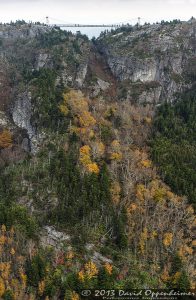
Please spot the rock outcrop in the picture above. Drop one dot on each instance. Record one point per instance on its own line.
(149, 64)
(153, 53)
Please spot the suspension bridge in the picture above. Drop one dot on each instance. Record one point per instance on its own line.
(51, 22)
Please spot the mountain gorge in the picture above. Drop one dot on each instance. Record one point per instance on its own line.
(97, 159)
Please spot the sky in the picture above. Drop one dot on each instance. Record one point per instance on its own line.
(96, 11)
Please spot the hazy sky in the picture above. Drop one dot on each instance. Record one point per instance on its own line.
(96, 11)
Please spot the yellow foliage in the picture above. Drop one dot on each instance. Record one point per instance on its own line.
(170, 195)
(2, 240)
(116, 153)
(70, 255)
(85, 160)
(75, 101)
(23, 279)
(5, 139)
(3, 228)
(115, 191)
(165, 276)
(131, 208)
(41, 287)
(154, 234)
(98, 149)
(143, 238)
(81, 275)
(74, 296)
(12, 251)
(167, 239)
(2, 287)
(108, 267)
(101, 148)
(190, 209)
(146, 163)
(159, 194)
(184, 250)
(12, 231)
(92, 168)
(116, 156)
(86, 119)
(82, 130)
(109, 112)
(85, 155)
(74, 129)
(91, 134)
(140, 190)
(176, 277)
(194, 243)
(5, 270)
(115, 145)
(91, 269)
(64, 109)
(85, 150)
(188, 250)
(148, 120)
(144, 234)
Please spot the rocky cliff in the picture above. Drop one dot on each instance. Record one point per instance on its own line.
(147, 64)
(82, 203)
(157, 60)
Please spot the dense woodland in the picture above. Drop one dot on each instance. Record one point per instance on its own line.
(174, 144)
(116, 177)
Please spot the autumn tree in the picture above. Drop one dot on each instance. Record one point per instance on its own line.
(5, 139)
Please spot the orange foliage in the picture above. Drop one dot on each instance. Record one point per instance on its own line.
(5, 139)
(132, 208)
(2, 287)
(92, 168)
(167, 239)
(12, 275)
(108, 268)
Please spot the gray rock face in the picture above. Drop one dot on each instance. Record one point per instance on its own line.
(151, 96)
(42, 60)
(133, 69)
(99, 86)
(21, 114)
(81, 75)
(99, 258)
(158, 53)
(51, 237)
(4, 121)
(23, 31)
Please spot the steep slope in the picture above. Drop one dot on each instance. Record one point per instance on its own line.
(152, 62)
(77, 185)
